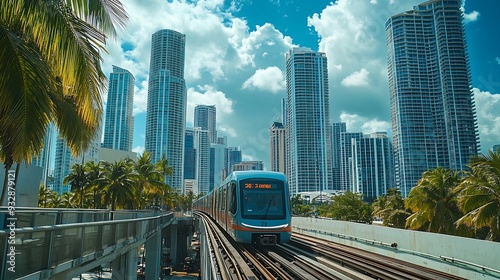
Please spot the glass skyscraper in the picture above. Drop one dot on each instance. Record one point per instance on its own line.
(432, 108)
(307, 121)
(166, 109)
(337, 129)
(277, 144)
(205, 117)
(119, 122)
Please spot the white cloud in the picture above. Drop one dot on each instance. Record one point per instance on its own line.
(488, 119)
(270, 79)
(356, 79)
(139, 150)
(141, 98)
(208, 95)
(472, 16)
(356, 123)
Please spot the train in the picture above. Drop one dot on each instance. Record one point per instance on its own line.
(251, 206)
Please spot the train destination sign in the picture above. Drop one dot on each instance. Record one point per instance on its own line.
(259, 186)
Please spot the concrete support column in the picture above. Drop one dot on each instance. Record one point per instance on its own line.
(153, 255)
(173, 243)
(124, 267)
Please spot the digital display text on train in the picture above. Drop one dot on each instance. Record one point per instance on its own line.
(259, 186)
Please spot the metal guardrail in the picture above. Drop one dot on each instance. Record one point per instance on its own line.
(43, 240)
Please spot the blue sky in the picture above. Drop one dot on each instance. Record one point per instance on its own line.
(235, 59)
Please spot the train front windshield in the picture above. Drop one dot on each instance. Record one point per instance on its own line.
(262, 199)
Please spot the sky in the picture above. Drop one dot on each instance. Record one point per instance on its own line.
(235, 60)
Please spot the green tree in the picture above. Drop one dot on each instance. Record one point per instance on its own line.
(391, 209)
(149, 178)
(298, 206)
(119, 185)
(50, 70)
(348, 207)
(45, 196)
(433, 202)
(480, 195)
(94, 172)
(77, 179)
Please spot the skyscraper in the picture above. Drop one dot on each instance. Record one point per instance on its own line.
(199, 158)
(307, 121)
(205, 117)
(119, 122)
(44, 159)
(432, 108)
(64, 160)
(373, 171)
(348, 169)
(337, 129)
(166, 110)
(277, 144)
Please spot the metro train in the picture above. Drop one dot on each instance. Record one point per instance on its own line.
(252, 206)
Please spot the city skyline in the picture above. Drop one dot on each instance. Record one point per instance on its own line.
(239, 66)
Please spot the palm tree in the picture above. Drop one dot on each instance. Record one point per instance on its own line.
(50, 57)
(45, 196)
(118, 184)
(480, 195)
(95, 171)
(391, 209)
(149, 178)
(433, 202)
(77, 179)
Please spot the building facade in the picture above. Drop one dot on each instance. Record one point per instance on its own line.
(337, 129)
(348, 168)
(432, 108)
(248, 165)
(46, 154)
(199, 159)
(307, 122)
(278, 147)
(205, 117)
(166, 108)
(372, 165)
(119, 121)
(64, 160)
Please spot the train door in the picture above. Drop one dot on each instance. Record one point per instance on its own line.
(232, 207)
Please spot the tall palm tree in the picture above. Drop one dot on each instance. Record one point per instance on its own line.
(480, 195)
(50, 57)
(433, 202)
(45, 196)
(390, 207)
(149, 178)
(77, 179)
(95, 171)
(119, 185)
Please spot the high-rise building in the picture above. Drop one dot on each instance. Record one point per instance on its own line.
(200, 164)
(432, 108)
(166, 110)
(307, 122)
(119, 121)
(232, 156)
(44, 159)
(348, 169)
(496, 148)
(278, 158)
(337, 129)
(216, 163)
(248, 165)
(373, 167)
(64, 160)
(205, 117)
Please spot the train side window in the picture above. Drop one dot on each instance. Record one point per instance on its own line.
(223, 200)
(232, 193)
